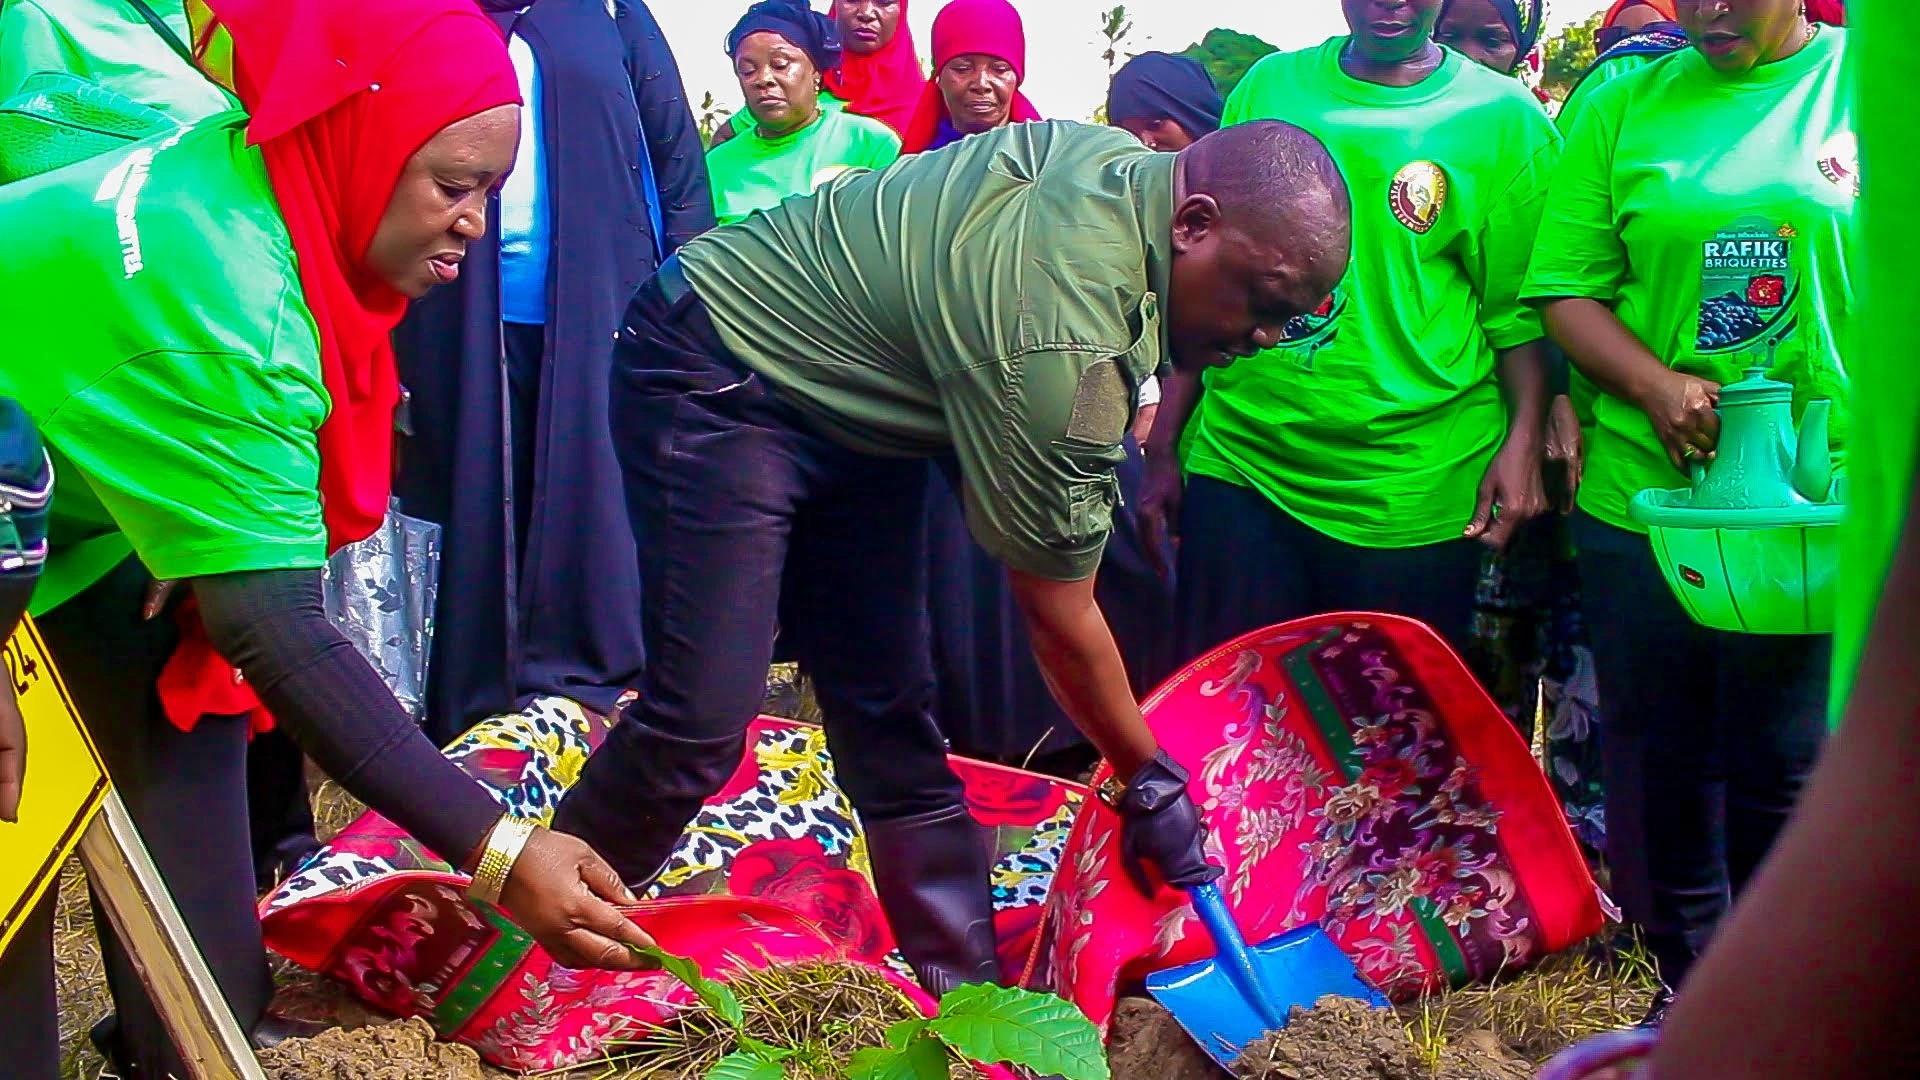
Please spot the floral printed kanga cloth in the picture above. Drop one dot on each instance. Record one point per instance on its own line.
(1351, 773)
(773, 869)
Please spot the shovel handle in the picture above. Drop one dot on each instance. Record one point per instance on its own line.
(1231, 951)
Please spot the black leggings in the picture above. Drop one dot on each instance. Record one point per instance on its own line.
(1709, 737)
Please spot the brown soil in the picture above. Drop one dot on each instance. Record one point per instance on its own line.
(1145, 1042)
(404, 1050)
(1343, 1039)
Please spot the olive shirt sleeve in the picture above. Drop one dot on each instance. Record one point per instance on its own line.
(1578, 251)
(1038, 436)
(1497, 261)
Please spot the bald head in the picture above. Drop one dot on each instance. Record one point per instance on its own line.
(1263, 229)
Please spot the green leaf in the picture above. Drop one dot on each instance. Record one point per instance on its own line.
(741, 1065)
(922, 1058)
(763, 1051)
(1047, 1034)
(904, 1032)
(713, 995)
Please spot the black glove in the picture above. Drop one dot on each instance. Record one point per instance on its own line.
(1160, 824)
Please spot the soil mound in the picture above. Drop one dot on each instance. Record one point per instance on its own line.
(1145, 1042)
(402, 1050)
(1343, 1039)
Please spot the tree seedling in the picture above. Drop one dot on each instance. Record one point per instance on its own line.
(982, 1023)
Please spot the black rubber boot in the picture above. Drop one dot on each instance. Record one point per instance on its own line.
(931, 873)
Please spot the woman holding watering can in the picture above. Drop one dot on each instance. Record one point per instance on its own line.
(1701, 221)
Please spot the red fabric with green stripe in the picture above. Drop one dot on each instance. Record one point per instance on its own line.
(1352, 774)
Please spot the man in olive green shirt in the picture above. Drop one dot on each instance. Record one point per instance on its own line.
(777, 390)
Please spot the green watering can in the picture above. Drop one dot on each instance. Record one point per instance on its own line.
(1753, 546)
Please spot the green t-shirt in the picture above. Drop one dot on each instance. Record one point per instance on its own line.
(1885, 379)
(1714, 214)
(107, 42)
(1596, 77)
(999, 299)
(157, 335)
(1375, 421)
(1580, 389)
(751, 172)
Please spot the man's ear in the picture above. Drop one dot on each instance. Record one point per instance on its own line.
(1195, 218)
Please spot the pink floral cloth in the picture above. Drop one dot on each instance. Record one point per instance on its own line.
(772, 870)
(1351, 773)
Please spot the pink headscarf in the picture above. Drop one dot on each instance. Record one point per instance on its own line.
(991, 27)
(886, 85)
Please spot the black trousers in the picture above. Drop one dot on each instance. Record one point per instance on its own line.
(30, 1032)
(187, 793)
(745, 515)
(1245, 564)
(1709, 737)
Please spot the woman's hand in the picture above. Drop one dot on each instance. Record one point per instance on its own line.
(1566, 452)
(13, 755)
(564, 895)
(1682, 408)
(1162, 490)
(1511, 492)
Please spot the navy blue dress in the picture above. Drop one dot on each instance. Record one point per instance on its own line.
(540, 585)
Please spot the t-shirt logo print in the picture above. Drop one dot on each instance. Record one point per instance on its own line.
(1748, 287)
(1839, 162)
(1417, 195)
(1304, 335)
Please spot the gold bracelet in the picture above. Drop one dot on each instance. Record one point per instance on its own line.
(504, 844)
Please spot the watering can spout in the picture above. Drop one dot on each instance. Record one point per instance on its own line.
(1813, 460)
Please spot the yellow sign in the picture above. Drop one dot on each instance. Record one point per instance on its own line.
(65, 783)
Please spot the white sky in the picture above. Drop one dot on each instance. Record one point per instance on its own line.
(1065, 76)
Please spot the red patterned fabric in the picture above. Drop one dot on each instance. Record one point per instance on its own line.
(1351, 773)
(772, 870)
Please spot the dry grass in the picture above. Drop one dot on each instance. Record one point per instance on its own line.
(79, 975)
(824, 1011)
(1541, 1011)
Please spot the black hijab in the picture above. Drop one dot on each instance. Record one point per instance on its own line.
(816, 34)
(1161, 86)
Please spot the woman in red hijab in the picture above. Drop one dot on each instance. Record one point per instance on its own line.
(979, 62)
(222, 416)
(879, 73)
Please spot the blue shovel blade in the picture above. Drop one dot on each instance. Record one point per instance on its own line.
(1297, 968)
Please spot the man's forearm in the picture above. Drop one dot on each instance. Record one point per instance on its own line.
(1523, 383)
(1082, 666)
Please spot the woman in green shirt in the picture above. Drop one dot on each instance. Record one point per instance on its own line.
(1363, 463)
(198, 325)
(1701, 222)
(780, 52)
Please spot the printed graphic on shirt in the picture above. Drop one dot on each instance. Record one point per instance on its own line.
(1304, 335)
(1417, 195)
(1748, 286)
(1839, 162)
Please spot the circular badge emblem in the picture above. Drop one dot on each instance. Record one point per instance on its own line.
(820, 178)
(1417, 195)
(1839, 161)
